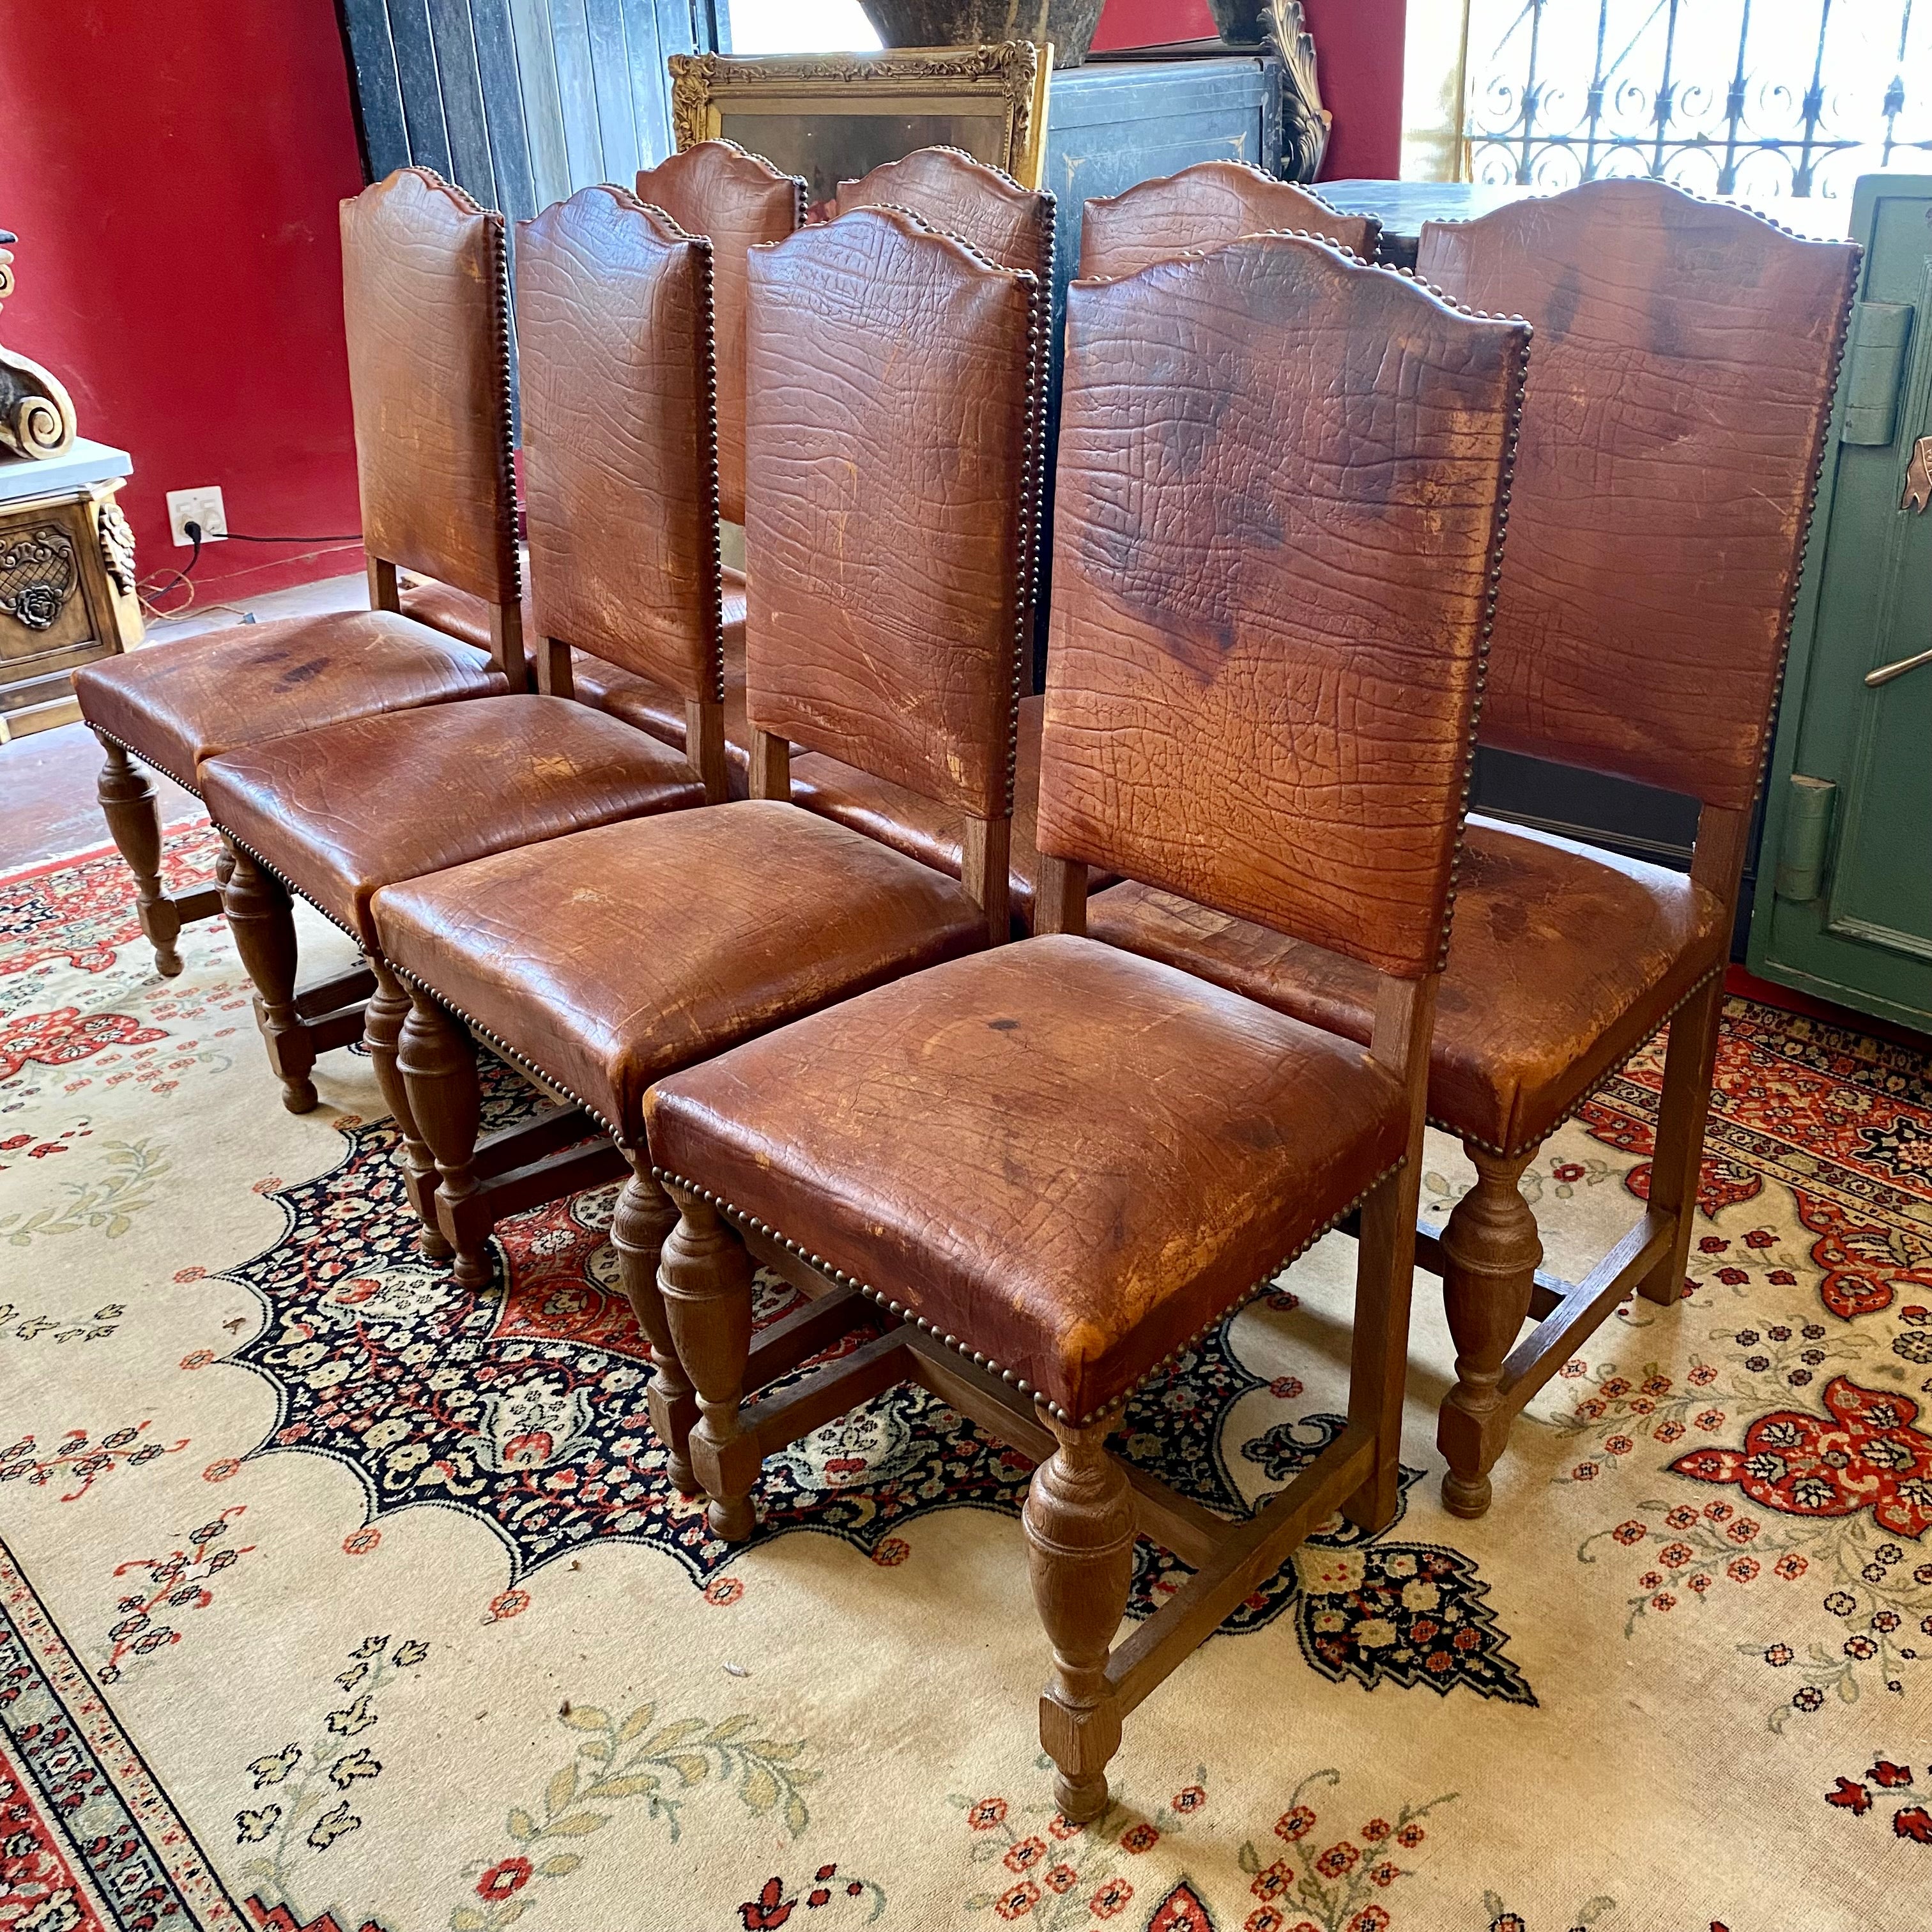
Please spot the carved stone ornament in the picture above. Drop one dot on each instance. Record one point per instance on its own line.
(117, 547)
(1305, 122)
(1007, 73)
(36, 411)
(37, 573)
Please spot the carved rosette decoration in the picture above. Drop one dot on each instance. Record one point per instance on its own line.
(38, 570)
(697, 79)
(1305, 122)
(36, 411)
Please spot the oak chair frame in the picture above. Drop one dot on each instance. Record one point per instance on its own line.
(258, 901)
(469, 1185)
(1085, 1507)
(329, 1013)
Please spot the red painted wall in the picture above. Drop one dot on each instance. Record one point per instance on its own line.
(1358, 49)
(173, 173)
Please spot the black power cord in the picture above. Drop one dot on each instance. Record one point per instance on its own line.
(236, 536)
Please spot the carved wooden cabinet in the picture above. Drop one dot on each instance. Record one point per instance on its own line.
(67, 580)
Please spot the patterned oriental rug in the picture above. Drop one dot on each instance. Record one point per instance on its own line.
(333, 1598)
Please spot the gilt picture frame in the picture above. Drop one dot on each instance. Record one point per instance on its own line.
(835, 117)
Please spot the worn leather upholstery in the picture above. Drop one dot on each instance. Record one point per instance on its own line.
(1068, 1158)
(1563, 961)
(620, 474)
(175, 704)
(1308, 408)
(637, 701)
(425, 298)
(738, 201)
(340, 812)
(1058, 1155)
(1685, 356)
(984, 206)
(888, 516)
(922, 827)
(617, 955)
(1201, 208)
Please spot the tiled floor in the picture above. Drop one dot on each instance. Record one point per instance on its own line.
(47, 807)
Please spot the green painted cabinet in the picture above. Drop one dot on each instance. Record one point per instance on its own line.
(1843, 908)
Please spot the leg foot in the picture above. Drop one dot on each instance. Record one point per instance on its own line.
(645, 1216)
(445, 1099)
(134, 824)
(705, 1279)
(262, 918)
(1490, 1250)
(381, 1031)
(1689, 1063)
(1079, 1524)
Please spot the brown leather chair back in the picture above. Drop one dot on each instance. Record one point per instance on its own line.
(1279, 513)
(426, 300)
(892, 443)
(739, 202)
(1686, 354)
(948, 190)
(620, 470)
(1203, 206)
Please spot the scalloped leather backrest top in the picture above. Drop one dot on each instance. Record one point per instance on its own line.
(1686, 353)
(737, 201)
(952, 192)
(425, 301)
(1279, 511)
(891, 448)
(620, 474)
(1201, 207)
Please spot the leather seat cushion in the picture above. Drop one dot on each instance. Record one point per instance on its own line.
(1563, 961)
(1063, 1158)
(341, 812)
(637, 701)
(619, 955)
(177, 703)
(922, 828)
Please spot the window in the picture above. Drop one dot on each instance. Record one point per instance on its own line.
(1764, 100)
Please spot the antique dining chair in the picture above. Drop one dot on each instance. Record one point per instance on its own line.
(1685, 357)
(736, 201)
(987, 210)
(1202, 206)
(891, 439)
(614, 330)
(1055, 1165)
(424, 304)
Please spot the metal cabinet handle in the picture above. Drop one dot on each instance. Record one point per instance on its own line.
(1897, 668)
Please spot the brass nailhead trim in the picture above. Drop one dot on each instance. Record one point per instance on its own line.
(739, 1219)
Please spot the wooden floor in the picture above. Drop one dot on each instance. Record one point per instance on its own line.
(47, 807)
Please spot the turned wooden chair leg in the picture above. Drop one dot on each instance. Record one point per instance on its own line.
(261, 917)
(1079, 1523)
(134, 824)
(1490, 1251)
(381, 1029)
(705, 1279)
(645, 1216)
(1690, 1063)
(444, 1099)
(1378, 1367)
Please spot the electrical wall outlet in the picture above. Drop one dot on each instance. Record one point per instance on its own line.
(196, 506)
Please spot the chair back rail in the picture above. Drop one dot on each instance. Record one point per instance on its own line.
(425, 298)
(1281, 492)
(1686, 356)
(1201, 207)
(620, 468)
(892, 438)
(738, 201)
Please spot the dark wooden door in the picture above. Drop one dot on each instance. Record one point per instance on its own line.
(522, 102)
